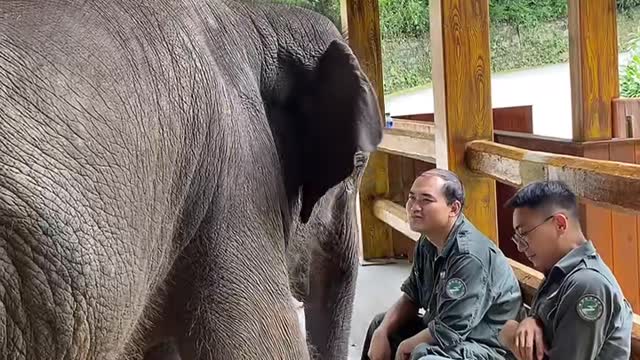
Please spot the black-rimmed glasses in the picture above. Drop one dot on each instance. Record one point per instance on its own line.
(520, 238)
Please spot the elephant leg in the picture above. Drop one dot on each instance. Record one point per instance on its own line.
(240, 304)
(328, 307)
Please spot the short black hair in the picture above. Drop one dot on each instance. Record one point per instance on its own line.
(545, 194)
(452, 188)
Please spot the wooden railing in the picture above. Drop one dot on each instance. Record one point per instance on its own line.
(603, 183)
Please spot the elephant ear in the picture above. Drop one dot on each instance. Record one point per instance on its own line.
(341, 116)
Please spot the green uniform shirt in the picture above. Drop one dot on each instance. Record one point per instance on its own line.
(584, 312)
(468, 292)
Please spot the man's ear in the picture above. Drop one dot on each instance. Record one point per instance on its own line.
(561, 222)
(456, 208)
(341, 116)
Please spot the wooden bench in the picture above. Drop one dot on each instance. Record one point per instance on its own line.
(531, 279)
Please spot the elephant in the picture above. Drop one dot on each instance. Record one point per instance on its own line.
(177, 171)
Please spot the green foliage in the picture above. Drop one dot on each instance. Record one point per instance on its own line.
(627, 4)
(630, 79)
(526, 12)
(524, 33)
(328, 8)
(408, 18)
(630, 72)
(406, 63)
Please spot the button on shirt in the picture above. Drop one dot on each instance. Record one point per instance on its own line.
(582, 309)
(468, 292)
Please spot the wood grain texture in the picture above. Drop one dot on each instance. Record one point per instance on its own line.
(408, 143)
(593, 60)
(509, 118)
(605, 183)
(462, 98)
(362, 21)
(637, 159)
(401, 170)
(626, 118)
(624, 237)
(395, 216)
(598, 220)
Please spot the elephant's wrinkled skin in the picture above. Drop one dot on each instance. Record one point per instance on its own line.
(156, 158)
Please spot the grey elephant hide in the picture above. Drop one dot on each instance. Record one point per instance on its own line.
(169, 172)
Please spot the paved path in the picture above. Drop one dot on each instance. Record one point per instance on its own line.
(547, 89)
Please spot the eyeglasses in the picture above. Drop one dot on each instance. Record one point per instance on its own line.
(520, 237)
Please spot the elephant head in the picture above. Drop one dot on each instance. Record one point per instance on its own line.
(325, 119)
(314, 88)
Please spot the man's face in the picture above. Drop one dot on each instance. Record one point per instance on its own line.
(427, 207)
(538, 236)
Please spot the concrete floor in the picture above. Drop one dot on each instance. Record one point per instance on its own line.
(377, 289)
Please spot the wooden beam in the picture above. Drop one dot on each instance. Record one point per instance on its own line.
(600, 182)
(593, 60)
(362, 20)
(529, 279)
(462, 98)
(422, 127)
(395, 216)
(409, 143)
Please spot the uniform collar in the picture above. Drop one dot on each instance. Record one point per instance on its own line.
(452, 238)
(575, 256)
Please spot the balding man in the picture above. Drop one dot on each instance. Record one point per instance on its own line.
(459, 277)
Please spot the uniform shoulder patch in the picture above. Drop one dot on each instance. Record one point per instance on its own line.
(455, 288)
(590, 308)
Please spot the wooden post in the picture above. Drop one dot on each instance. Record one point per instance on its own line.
(593, 50)
(362, 21)
(462, 95)
(593, 61)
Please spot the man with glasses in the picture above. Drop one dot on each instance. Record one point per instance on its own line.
(459, 277)
(579, 311)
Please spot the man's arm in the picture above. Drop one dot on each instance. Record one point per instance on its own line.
(583, 314)
(406, 308)
(463, 300)
(403, 311)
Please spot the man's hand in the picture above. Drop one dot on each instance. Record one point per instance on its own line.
(380, 349)
(507, 335)
(406, 347)
(528, 336)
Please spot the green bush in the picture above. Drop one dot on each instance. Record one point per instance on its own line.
(411, 17)
(524, 33)
(627, 4)
(630, 79)
(630, 72)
